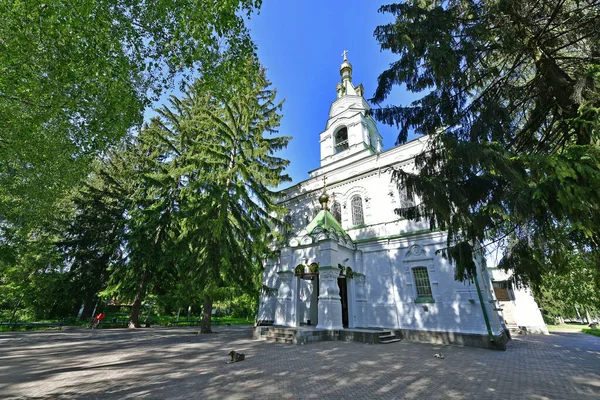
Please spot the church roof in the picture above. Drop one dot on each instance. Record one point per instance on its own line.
(323, 226)
(326, 221)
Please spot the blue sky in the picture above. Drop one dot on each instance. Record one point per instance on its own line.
(301, 43)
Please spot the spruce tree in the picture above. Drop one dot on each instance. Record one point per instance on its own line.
(153, 236)
(228, 203)
(511, 104)
(93, 238)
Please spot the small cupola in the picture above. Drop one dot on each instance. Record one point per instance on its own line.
(346, 69)
(345, 87)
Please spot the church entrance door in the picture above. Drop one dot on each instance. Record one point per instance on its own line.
(344, 298)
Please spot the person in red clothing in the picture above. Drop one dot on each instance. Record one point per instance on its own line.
(97, 319)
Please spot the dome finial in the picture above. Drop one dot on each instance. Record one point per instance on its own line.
(324, 198)
(346, 69)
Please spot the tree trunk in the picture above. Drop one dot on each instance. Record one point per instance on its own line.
(14, 313)
(134, 316)
(597, 262)
(88, 309)
(147, 321)
(206, 315)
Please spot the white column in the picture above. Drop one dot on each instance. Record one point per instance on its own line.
(330, 305)
(358, 262)
(285, 311)
(361, 300)
(314, 302)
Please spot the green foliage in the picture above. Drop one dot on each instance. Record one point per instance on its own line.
(75, 77)
(94, 235)
(186, 209)
(595, 332)
(181, 211)
(215, 139)
(244, 306)
(511, 105)
(559, 294)
(34, 284)
(152, 224)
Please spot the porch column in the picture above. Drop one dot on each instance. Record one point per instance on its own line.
(285, 313)
(361, 300)
(358, 261)
(330, 305)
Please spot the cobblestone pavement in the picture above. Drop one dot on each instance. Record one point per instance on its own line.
(177, 363)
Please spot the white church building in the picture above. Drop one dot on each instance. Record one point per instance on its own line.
(351, 263)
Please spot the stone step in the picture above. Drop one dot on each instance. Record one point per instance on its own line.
(282, 330)
(278, 339)
(386, 337)
(389, 341)
(280, 334)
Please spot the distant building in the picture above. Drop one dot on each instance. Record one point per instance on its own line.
(375, 270)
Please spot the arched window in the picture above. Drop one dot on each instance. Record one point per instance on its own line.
(341, 140)
(336, 211)
(357, 211)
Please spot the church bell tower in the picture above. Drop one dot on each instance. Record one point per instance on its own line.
(350, 133)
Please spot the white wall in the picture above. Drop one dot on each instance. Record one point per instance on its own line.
(391, 290)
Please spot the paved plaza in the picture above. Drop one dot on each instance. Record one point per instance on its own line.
(169, 363)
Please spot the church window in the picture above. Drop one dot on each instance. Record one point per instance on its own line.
(357, 211)
(336, 210)
(289, 225)
(424, 294)
(341, 140)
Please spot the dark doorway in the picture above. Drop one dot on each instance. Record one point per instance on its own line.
(314, 305)
(344, 297)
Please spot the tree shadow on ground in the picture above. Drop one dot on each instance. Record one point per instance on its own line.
(163, 363)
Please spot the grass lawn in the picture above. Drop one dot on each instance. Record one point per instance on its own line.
(10, 328)
(216, 321)
(595, 332)
(120, 321)
(575, 328)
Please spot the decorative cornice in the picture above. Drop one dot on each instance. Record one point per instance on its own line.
(328, 267)
(379, 168)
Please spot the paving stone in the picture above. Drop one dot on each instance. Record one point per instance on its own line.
(177, 363)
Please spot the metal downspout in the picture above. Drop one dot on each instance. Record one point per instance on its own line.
(485, 315)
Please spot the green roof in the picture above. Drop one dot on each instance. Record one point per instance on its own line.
(325, 220)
